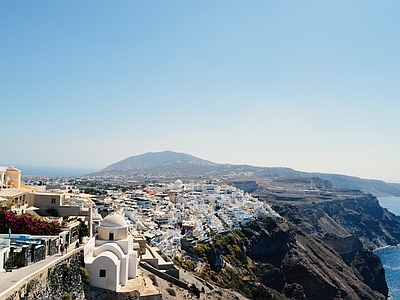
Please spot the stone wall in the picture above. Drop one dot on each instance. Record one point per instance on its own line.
(65, 280)
(164, 275)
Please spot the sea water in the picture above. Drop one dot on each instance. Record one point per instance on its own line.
(390, 256)
(55, 171)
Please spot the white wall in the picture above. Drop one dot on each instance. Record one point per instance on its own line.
(4, 251)
(109, 262)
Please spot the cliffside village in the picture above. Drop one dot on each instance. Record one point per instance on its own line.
(142, 225)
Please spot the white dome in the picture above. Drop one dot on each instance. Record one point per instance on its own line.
(114, 220)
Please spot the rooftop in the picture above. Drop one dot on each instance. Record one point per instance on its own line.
(12, 192)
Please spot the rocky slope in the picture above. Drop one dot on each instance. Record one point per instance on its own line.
(322, 248)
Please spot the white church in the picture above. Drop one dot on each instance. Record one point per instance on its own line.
(110, 258)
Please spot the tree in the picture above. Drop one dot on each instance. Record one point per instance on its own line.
(83, 230)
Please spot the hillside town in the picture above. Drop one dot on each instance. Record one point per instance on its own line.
(121, 225)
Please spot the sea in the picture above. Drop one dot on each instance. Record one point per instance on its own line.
(55, 171)
(390, 256)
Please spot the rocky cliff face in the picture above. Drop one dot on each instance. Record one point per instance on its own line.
(306, 266)
(330, 251)
(321, 249)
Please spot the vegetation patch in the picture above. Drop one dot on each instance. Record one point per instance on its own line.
(16, 260)
(66, 296)
(29, 286)
(184, 263)
(237, 266)
(85, 273)
(171, 292)
(67, 268)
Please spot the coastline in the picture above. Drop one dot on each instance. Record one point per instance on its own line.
(386, 247)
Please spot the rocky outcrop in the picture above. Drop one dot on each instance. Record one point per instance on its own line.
(268, 242)
(333, 240)
(356, 221)
(302, 266)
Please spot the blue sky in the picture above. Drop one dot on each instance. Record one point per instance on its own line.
(311, 85)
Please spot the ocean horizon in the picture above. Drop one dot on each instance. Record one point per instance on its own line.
(54, 171)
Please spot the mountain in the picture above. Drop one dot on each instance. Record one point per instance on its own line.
(169, 164)
(156, 159)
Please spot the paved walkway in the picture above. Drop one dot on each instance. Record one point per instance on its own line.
(11, 280)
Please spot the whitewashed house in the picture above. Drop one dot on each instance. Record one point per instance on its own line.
(110, 258)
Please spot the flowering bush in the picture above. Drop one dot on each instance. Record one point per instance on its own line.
(26, 224)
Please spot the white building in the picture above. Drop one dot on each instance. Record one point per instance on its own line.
(69, 189)
(162, 218)
(110, 258)
(143, 203)
(207, 188)
(178, 185)
(4, 252)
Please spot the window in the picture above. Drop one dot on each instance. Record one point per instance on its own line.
(53, 200)
(102, 273)
(111, 236)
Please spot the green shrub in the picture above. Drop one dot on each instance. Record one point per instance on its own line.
(66, 296)
(84, 273)
(67, 268)
(188, 265)
(236, 282)
(202, 250)
(55, 286)
(29, 286)
(239, 255)
(16, 260)
(240, 234)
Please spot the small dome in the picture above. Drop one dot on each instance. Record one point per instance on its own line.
(114, 220)
(178, 184)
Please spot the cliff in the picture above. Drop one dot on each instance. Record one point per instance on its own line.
(322, 248)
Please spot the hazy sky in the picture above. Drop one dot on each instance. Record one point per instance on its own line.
(310, 85)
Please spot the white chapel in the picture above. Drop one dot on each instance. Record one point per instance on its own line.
(109, 257)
